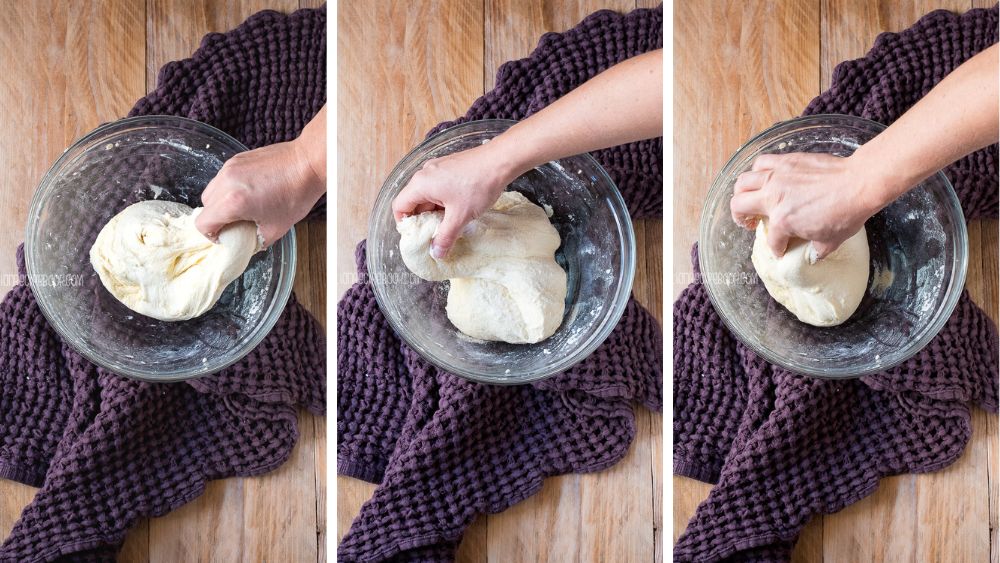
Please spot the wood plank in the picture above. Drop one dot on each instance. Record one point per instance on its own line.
(656, 454)
(991, 277)
(655, 259)
(319, 429)
(549, 526)
(531, 535)
(849, 27)
(175, 27)
(513, 27)
(648, 291)
(70, 66)
(880, 528)
(988, 299)
(248, 519)
(427, 69)
(727, 49)
(738, 68)
(279, 509)
(351, 495)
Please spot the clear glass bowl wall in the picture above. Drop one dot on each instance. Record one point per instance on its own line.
(116, 165)
(919, 256)
(598, 253)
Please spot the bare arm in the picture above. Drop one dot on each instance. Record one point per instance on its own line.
(620, 105)
(827, 199)
(274, 186)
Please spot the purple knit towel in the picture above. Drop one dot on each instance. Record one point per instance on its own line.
(782, 447)
(106, 450)
(444, 449)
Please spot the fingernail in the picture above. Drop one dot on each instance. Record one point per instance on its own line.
(813, 254)
(437, 253)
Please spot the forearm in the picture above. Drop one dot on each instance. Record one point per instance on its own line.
(621, 105)
(958, 116)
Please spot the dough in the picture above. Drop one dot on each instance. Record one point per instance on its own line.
(821, 293)
(153, 259)
(505, 282)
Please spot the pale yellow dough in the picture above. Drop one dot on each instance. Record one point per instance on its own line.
(818, 292)
(152, 258)
(505, 283)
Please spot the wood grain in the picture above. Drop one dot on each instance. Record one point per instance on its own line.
(76, 65)
(427, 68)
(68, 67)
(573, 518)
(946, 516)
(728, 84)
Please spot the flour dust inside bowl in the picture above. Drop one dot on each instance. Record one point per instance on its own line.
(597, 251)
(118, 164)
(918, 257)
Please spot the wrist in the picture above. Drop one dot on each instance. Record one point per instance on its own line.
(311, 163)
(504, 162)
(876, 179)
(514, 151)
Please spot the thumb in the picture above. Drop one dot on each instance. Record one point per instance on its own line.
(824, 249)
(777, 239)
(212, 219)
(447, 233)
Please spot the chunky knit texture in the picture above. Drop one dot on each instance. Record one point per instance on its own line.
(782, 447)
(444, 449)
(106, 450)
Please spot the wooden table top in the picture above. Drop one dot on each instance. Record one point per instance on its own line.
(68, 67)
(738, 68)
(402, 68)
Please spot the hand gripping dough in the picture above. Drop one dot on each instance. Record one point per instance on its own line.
(153, 259)
(505, 282)
(819, 292)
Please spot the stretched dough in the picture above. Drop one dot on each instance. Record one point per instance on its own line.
(153, 259)
(505, 283)
(818, 292)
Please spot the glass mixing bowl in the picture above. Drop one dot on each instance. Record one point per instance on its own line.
(597, 252)
(919, 254)
(116, 165)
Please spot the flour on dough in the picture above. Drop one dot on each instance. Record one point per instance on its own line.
(152, 258)
(505, 283)
(818, 292)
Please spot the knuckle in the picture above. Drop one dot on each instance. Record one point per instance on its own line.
(236, 198)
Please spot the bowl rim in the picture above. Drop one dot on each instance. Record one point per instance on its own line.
(955, 285)
(286, 277)
(621, 296)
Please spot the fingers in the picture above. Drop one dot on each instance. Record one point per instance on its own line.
(406, 203)
(269, 234)
(745, 207)
(424, 208)
(212, 191)
(411, 201)
(777, 239)
(211, 220)
(766, 162)
(750, 181)
(447, 233)
(824, 249)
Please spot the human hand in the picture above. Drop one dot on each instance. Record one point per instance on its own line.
(465, 184)
(274, 186)
(816, 197)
